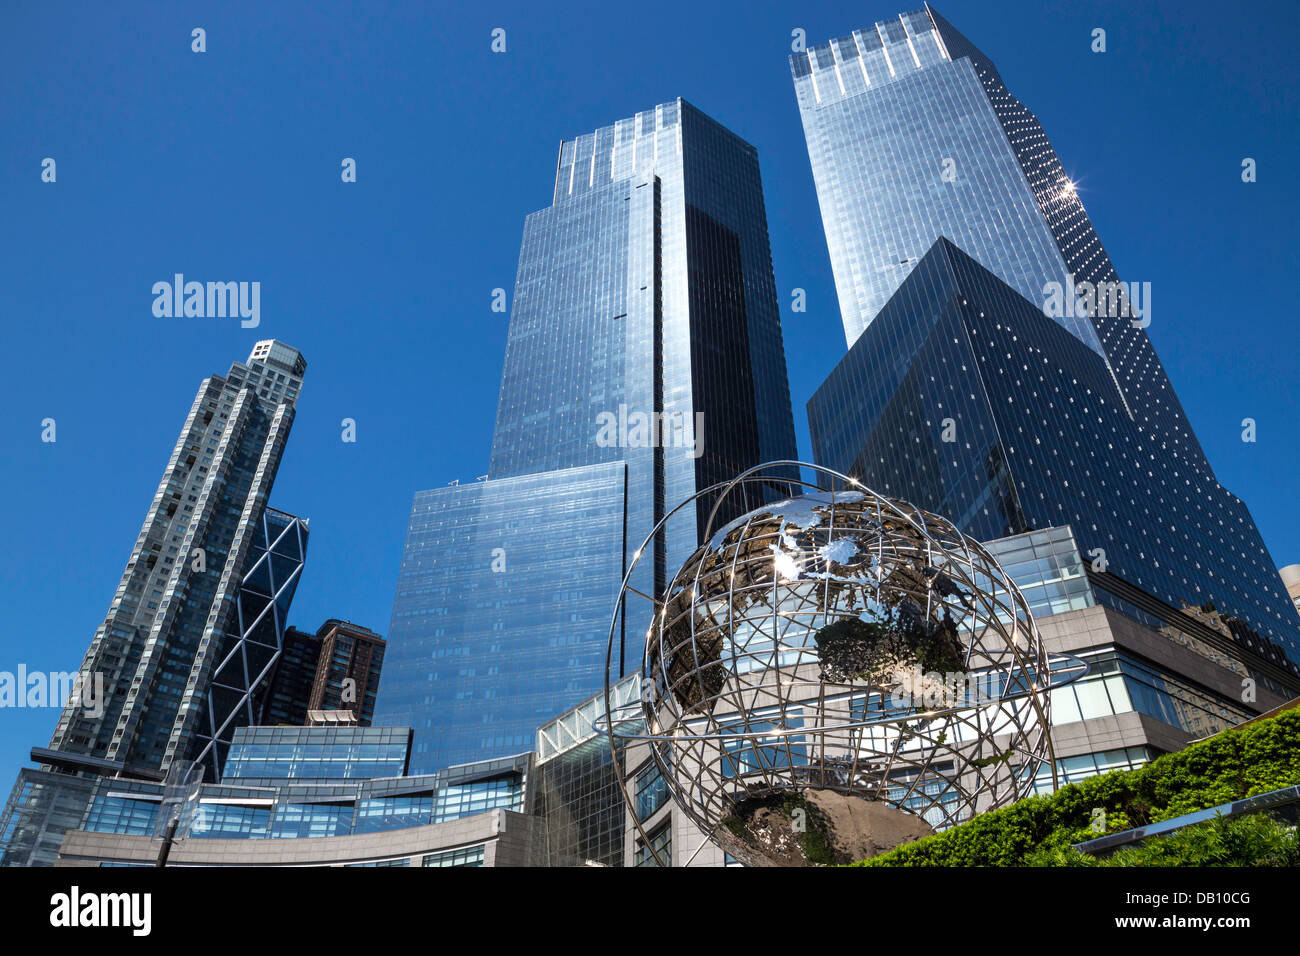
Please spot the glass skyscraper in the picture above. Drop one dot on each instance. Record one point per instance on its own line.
(913, 135)
(289, 693)
(949, 218)
(644, 361)
(195, 624)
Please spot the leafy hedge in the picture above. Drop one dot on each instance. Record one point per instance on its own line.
(1039, 830)
(1253, 839)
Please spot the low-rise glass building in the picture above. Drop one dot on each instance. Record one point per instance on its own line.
(344, 784)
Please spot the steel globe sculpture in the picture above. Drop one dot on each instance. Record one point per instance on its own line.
(843, 641)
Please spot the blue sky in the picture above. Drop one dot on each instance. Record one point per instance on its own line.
(225, 165)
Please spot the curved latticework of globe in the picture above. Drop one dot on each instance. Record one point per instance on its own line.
(843, 641)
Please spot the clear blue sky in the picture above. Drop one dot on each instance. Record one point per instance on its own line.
(225, 166)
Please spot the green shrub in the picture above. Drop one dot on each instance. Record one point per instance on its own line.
(1251, 840)
(1040, 830)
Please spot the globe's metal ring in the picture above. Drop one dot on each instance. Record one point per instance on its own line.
(1076, 669)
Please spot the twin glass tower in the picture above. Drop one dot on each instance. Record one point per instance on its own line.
(644, 362)
(950, 223)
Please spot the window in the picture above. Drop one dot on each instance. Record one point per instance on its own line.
(651, 791)
(472, 856)
(661, 841)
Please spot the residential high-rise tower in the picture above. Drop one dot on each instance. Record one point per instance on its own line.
(347, 676)
(194, 627)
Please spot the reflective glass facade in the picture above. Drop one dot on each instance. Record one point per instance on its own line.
(963, 398)
(1047, 568)
(649, 791)
(576, 792)
(644, 361)
(1074, 769)
(471, 857)
(1051, 573)
(289, 693)
(317, 753)
(502, 611)
(42, 807)
(290, 783)
(913, 135)
(1119, 683)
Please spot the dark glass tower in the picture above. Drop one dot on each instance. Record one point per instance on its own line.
(965, 399)
(289, 693)
(644, 361)
(194, 628)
